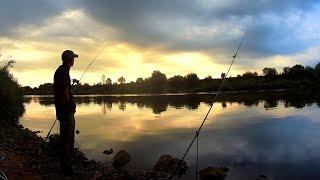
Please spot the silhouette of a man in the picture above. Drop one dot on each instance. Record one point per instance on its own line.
(65, 109)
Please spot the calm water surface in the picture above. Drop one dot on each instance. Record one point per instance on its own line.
(276, 134)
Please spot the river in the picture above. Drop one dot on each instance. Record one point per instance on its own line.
(276, 134)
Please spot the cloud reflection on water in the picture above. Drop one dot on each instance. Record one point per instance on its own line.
(261, 134)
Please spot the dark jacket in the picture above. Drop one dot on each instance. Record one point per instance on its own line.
(62, 82)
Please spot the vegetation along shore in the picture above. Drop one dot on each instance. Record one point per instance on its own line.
(296, 76)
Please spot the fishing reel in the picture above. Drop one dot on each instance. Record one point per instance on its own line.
(75, 81)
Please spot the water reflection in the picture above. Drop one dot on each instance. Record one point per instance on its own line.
(277, 134)
(160, 103)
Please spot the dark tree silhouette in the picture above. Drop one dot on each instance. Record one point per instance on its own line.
(139, 80)
(250, 74)
(121, 80)
(11, 99)
(297, 76)
(317, 69)
(108, 82)
(223, 75)
(286, 70)
(176, 83)
(192, 80)
(208, 77)
(267, 71)
(297, 70)
(158, 82)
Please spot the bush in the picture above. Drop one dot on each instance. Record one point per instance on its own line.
(11, 98)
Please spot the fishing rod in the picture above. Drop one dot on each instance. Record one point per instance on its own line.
(211, 106)
(75, 81)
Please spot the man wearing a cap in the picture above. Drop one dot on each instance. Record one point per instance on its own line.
(65, 109)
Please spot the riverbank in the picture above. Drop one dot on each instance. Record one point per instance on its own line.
(23, 158)
(22, 155)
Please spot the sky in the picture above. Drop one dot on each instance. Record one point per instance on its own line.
(140, 36)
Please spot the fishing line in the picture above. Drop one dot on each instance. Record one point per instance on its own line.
(84, 72)
(3, 175)
(89, 65)
(212, 102)
(197, 160)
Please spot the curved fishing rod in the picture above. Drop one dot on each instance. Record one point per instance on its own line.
(213, 101)
(77, 82)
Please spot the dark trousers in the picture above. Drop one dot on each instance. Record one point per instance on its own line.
(67, 125)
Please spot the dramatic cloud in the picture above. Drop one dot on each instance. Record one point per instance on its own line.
(176, 37)
(273, 26)
(19, 12)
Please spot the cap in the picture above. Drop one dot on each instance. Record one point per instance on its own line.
(68, 54)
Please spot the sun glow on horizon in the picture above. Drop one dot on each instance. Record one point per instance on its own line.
(37, 47)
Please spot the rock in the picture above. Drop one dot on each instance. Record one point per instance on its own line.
(214, 173)
(107, 152)
(263, 176)
(121, 159)
(107, 168)
(78, 155)
(152, 174)
(97, 175)
(167, 164)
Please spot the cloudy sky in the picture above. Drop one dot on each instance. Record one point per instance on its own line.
(173, 36)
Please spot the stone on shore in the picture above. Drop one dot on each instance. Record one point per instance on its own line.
(107, 152)
(214, 173)
(121, 159)
(167, 164)
(262, 177)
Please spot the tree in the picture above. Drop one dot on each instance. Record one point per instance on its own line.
(108, 81)
(267, 71)
(158, 81)
(6, 64)
(139, 80)
(317, 66)
(208, 77)
(223, 75)
(121, 80)
(11, 99)
(6, 61)
(297, 72)
(286, 70)
(297, 69)
(176, 83)
(310, 73)
(192, 80)
(317, 69)
(27, 90)
(45, 88)
(250, 74)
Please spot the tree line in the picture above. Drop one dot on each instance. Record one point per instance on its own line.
(296, 76)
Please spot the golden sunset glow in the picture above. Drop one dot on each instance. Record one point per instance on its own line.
(136, 46)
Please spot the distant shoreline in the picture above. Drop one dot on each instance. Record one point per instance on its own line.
(163, 94)
(297, 76)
